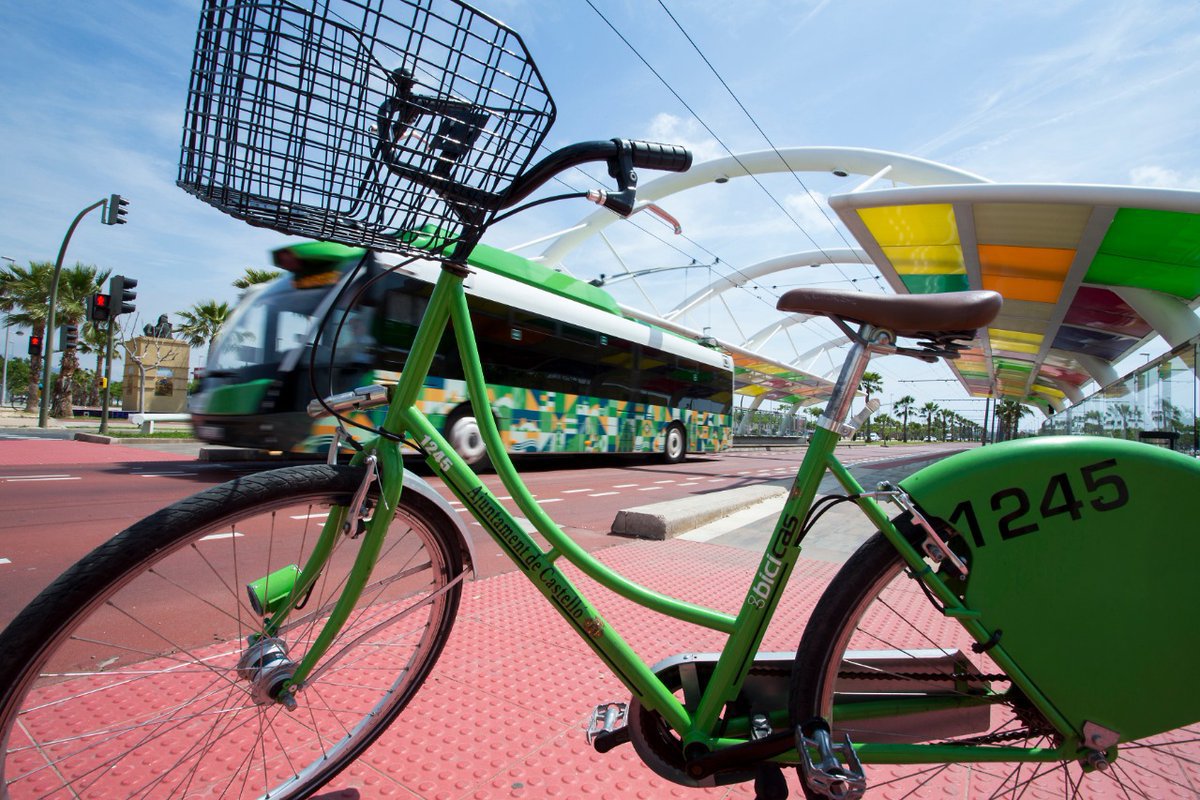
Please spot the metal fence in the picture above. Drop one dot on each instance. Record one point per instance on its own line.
(1157, 403)
(767, 423)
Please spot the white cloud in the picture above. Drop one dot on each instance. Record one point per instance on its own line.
(687, 132)
(1163, 178)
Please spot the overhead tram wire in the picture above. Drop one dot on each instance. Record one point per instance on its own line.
(716, 258)
(730, 267)
(710, 131)
(761, 132)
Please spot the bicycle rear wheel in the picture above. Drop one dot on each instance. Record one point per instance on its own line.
(873, 620)
(122, 678)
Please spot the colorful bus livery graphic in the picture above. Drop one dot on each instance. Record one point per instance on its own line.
(567, 372)
(532, 421)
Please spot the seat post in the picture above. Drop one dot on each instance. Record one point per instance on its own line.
(837, 410)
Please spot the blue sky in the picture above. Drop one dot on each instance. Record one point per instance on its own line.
(1090, 92)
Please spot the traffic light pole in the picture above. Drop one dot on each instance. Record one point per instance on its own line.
(48, 339)
(105, 393)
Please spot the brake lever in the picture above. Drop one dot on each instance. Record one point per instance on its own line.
(661, 213)
(622, 203)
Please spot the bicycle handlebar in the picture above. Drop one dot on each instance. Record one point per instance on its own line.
(665, 157)
(646, 155)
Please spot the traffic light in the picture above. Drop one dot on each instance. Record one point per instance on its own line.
(68, 337)
(98, 307)
(121, 295)
(35, 344)
(115, 211)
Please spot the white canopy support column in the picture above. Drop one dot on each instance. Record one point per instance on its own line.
(740, 430)
(1168, 315)
(1072, 392)
(1101, 371)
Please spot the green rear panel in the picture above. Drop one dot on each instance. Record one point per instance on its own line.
(1084, 552)
(240, 398)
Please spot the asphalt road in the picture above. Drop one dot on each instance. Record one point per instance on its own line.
(62, 498)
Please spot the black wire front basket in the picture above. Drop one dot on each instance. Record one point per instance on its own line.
(392, 124)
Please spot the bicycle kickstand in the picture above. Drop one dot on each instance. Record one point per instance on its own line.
(829, 777)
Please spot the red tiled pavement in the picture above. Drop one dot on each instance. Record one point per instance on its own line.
(504, 712)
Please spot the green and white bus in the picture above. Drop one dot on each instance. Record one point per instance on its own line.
(567, 371)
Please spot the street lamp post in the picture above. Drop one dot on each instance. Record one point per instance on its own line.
(4, 379)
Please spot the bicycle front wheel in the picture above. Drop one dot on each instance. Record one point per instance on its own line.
(128, 676)
(875, 636)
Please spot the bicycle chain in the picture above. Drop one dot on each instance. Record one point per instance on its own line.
(1031, 731)
(923, 676)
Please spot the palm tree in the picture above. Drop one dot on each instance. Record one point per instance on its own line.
(930, 409)
(254, 276)
(947, 416)
(903, 406)
(1010, 413)
(815, 412)
(870, 382)
(93, 340)
(74, 286)
(23, 297)
(1125, 415)
(202, 322)
(887, 425)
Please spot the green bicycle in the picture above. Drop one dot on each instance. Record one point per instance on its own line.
(254, 639)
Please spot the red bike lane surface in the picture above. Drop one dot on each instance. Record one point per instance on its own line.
(44, 452)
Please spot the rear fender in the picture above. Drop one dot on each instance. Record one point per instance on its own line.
(1082, 552)
(417, 485)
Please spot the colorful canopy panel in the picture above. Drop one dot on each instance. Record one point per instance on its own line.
(754, 377)
(1072, 262)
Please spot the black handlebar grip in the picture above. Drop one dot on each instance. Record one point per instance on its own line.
(666, 157)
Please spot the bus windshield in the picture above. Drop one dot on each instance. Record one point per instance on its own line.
(268, 322)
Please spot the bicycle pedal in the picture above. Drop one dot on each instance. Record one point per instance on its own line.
(607, 728)
(829, 777)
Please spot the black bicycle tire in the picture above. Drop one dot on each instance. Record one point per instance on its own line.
(25, 644)
(866, 572)
(856, 587)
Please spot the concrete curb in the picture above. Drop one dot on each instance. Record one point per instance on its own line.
(667, 520)
(96, 438)
(99, 438)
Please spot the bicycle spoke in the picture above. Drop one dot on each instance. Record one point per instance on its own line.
(176, 631)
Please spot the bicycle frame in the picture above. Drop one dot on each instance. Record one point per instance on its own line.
(698, 726)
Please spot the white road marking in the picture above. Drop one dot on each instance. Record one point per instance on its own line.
(212, 537)
(624, 485)
(45, 478)
(575, 491)
(668, 480)
(4, 561)
(321, 515)
(602, 494)
(650, 489)
(51, 475)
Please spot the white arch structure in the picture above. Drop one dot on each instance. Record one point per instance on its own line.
(842, 161)
(877, 164)
(807, 258)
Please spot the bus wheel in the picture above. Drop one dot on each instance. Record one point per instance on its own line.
(462, 431)
(676, 445)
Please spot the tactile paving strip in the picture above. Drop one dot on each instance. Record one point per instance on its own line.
(504, 711)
